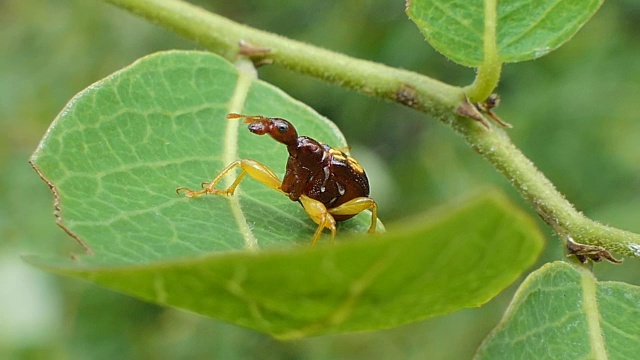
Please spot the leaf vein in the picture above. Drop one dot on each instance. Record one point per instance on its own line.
(590, 307)
(246, 75)
(531, 27)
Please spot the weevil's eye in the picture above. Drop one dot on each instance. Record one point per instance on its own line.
(282, 131)
(282, 128)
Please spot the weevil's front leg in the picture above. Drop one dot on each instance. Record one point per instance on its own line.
(356, 206)
(249, 167)
(320, 215)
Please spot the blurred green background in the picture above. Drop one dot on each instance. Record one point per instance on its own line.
(575, 113)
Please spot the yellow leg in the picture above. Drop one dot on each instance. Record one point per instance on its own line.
(320, 215)
(356, 206)
(253, 168)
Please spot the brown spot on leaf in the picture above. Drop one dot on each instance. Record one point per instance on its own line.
(58, 212)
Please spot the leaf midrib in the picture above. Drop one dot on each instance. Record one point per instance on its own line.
(246, 75)
(590, 306)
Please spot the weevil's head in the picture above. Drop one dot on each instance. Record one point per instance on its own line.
(279, 129)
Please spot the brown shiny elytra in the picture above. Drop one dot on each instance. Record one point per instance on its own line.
(330, 185)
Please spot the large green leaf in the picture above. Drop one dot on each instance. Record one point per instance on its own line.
(563, 312)
(522, 30)
(117, 152)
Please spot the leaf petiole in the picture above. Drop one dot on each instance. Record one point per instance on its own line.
(488, 73)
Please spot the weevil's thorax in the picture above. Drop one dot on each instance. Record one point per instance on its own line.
(324, 174)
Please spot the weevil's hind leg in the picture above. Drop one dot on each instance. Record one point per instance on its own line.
(356, 206)
(249, 167)
(320, 215)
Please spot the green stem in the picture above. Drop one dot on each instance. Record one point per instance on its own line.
(489, 72)
(223, 36)
(422, 93)
(553, 208)
(485, 82)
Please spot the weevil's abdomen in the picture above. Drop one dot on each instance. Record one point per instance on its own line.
(324, 174)
(347, 181)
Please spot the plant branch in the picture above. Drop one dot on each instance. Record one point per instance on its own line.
(224, 36)
(422, 93)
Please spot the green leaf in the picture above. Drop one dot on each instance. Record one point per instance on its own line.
(120, 149)
(563, 312)
(115, 155)
(522, 30)
(462, 258)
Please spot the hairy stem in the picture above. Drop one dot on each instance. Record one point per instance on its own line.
(223, 36)
(422, 93)
(489, 72)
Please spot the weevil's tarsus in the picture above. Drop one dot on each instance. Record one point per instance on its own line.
(249, 167)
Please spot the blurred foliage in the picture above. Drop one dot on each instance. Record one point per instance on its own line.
(575, 113)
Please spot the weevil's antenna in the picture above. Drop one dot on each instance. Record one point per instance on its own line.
(248, 118)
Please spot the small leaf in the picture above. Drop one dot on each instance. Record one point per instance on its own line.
(562, 312)
(524, 29)
(117, 152)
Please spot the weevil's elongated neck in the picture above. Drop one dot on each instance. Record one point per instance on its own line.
(290, 143)
(293, 149)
